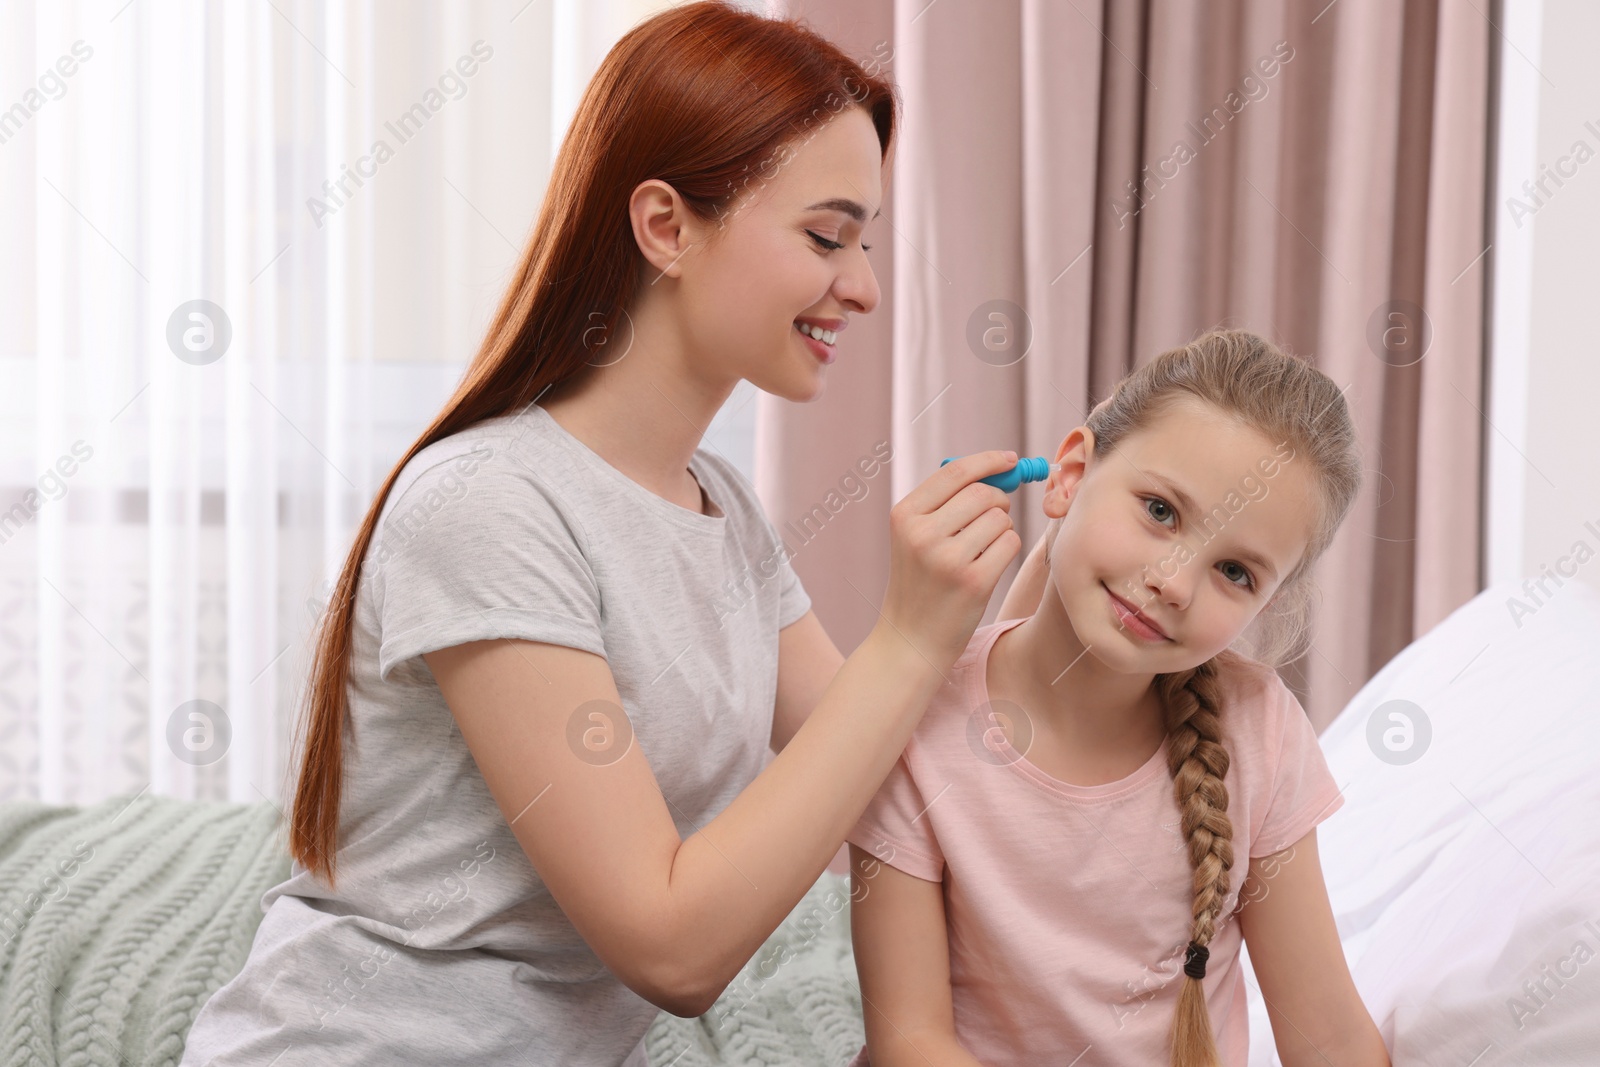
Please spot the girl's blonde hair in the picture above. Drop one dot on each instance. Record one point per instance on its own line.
(1288, 400)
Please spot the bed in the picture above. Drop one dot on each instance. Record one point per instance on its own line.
(1464, 871)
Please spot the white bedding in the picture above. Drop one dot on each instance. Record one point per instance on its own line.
(1473, 869)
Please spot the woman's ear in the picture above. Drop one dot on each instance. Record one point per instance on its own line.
(663, 227)
(1073, 457)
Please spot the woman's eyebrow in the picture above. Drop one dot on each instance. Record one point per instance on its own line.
(849, 207)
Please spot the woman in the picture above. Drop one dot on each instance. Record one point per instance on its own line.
(531, 810)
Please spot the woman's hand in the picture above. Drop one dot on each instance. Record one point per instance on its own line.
(951, 539)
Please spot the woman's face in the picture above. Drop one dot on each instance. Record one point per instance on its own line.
(1193, 522)
(769, 260)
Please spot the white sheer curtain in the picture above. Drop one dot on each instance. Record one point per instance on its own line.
(346, 186)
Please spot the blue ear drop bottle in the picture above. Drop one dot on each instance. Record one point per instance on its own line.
(1028, 469)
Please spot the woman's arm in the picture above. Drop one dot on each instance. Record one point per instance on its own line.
(675, 919)
(808, 660)
(1318, 1019)
(1027, 589)
(902, 952)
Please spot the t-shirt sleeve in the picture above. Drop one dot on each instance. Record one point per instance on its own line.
(895, 827)
(477, 548)
(1303, 791)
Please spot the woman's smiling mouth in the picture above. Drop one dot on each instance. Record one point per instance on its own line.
(820, 335)
(1132, 621)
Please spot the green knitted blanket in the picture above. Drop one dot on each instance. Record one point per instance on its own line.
(795, 1004)
(118, 920)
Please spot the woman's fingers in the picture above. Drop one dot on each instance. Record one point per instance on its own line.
(981, 533)
(996, 557)
(950, 479)
(951, 539)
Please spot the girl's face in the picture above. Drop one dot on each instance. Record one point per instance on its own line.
(1172, 542)
(770, 259)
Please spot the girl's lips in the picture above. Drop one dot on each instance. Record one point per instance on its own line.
(1131, 620)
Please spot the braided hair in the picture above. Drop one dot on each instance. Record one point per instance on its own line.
(1198, 763)
(1285, 398)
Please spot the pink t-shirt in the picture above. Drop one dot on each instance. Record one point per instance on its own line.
(1068, 907)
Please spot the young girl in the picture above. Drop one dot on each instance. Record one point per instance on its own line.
(1055, 871)
(531, 811)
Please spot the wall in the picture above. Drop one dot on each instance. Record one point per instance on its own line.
(1544, 484)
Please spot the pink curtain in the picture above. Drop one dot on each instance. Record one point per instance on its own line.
(1080, 185)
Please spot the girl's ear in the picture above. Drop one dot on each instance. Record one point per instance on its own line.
(1073, 457)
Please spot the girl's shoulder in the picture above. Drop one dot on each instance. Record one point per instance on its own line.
(1259, 710)
(1247, 681)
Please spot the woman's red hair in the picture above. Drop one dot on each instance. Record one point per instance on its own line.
(702, 97)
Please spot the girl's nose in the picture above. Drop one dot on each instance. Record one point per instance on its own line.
(1165, 584)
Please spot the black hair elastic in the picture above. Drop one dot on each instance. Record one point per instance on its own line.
(1194, 964)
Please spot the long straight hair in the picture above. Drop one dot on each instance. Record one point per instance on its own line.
(702, 96)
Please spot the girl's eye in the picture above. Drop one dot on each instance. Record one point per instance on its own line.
(1235, 572)
(1159, 509)
(1243, 572)
(824, 242)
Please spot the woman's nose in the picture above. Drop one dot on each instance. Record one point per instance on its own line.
(858, 287)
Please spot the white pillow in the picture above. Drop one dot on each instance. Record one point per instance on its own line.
(1474, 868)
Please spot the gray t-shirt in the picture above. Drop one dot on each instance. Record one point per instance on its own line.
(441, 944)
